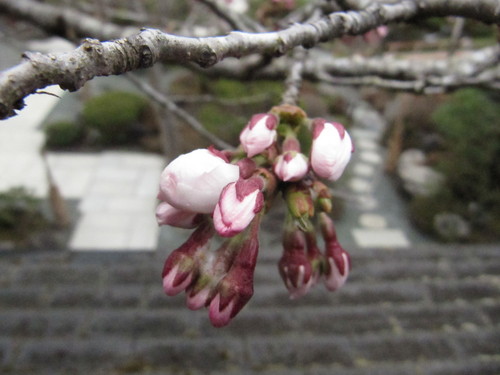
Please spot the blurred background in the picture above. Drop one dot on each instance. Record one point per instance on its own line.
(81, 253)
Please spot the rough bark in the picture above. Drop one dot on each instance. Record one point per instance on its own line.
(148, 47)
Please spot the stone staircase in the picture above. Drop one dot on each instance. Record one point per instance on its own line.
(433, 311)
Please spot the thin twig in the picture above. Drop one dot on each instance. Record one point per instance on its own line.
(293, 81)
(176, 110)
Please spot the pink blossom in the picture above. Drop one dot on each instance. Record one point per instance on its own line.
(167, 214)
(339, 264)
(181, 266)
(198, 298)
(236, 287)
(193, 182)
(291, 166)
(238, 204)
(294, 266)
(331, 149)
(259, 133)
(338, 260)
(214, 266)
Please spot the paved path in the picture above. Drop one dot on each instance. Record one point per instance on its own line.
(117, 190)
(375, 215)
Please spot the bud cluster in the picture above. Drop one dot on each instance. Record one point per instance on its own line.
(225, 194)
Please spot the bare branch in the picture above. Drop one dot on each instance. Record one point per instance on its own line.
(93, 58)
(293, 81)
(63, 21)
(168, 104)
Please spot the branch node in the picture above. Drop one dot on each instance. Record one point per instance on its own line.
(146, 57)
(207, 58)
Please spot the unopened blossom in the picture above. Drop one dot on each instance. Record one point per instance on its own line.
(331, 149)
(193, 182)
(337, 259)
(181, 266)
(294, 266)
(236, 288)
(339, 264)
(291, 166)
(239, 202)
(259, 133)
(214, 266)
(166, 214)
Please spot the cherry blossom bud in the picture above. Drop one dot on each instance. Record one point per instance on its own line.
(323, 196)
(299, 201)
(198, 295)
(291, 166)
(238, 204)
(247, 167)
(259, 133)
(181, 265)
(338, 260)
(236, 287)
(167, 214)
(331, 149)
(213, 267)
(294, 266)
(339, 264)
(193, 182)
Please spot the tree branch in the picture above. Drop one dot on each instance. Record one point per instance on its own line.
(169, 105)
(142, 50)
(63, 21)
(293, 81)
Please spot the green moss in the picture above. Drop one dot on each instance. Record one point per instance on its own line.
(20, 214)
(63, 134)
(115, 116)
(223, 122)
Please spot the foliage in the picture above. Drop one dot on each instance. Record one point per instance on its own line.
(63, 134)
(20, 213)
(222, 122)
(115, 116)
(469, 123)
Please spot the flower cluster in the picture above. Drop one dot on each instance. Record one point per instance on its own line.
(226, 193)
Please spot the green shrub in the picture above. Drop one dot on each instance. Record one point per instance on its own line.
(469, 122)
(222, 122)
(63, 134)
(115, 116)
(20, 213)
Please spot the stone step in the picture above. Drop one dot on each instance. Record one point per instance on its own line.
(253, 320)
(222, 352)
(267, 294)
(145, 271)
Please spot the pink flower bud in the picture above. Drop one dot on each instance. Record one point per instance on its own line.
(236, 287)
(169, 215)
(259, 133)
(338, 260)
(198, 297)
(193, 182)
(331, 149)
(214, 266)
(291, 166)
(181, 265)
(294, 266)
(238, 204)
(339, 264)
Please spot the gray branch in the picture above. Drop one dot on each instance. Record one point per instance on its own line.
(94, 58)
(170, 105)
